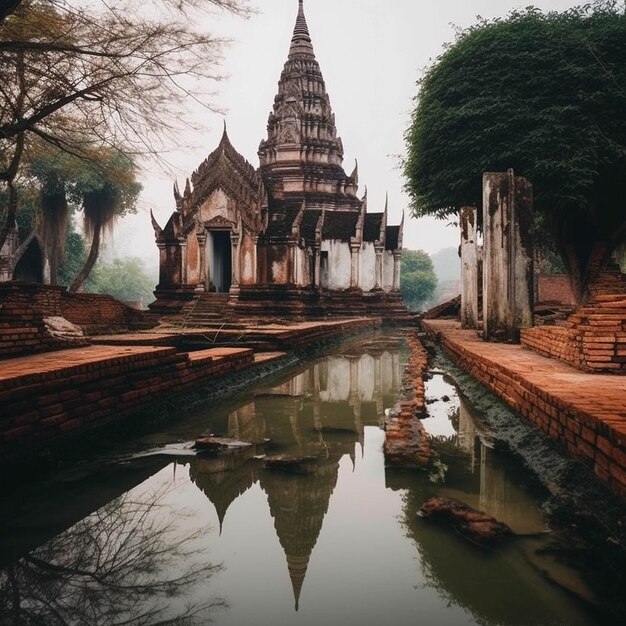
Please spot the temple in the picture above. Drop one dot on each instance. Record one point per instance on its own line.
(290, 237)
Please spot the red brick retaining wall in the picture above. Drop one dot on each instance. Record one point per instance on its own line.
(406, 439)
(584, 412)
(40, 401)
(23, 307)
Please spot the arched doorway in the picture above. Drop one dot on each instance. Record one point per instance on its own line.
(220, 261)
(29, 268)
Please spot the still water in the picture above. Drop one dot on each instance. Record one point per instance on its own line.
(162, 535)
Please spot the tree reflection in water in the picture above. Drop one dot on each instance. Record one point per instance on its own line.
(120, 565)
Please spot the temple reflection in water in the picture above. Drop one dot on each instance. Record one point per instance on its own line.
(317, 416)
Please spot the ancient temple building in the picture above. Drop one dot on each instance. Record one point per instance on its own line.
(292, 236)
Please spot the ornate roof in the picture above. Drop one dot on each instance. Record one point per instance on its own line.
(229, 170)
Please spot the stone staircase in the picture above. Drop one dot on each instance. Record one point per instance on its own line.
(207, 309)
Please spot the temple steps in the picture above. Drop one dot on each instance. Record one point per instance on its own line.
(207, 309)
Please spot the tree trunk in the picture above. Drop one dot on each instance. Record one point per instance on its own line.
(10, 214)
(89, 263)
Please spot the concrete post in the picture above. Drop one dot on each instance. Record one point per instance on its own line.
(507, 256)
(469, 267)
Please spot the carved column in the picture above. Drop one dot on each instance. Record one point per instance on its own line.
(202, 248)
(469, 267)
(355, 250)
(379, 267)
(397, 255)
(235, 269)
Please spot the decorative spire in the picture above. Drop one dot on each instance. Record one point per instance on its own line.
(355, 173)
(301, 40)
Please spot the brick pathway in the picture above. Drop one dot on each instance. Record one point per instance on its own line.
(586, 412)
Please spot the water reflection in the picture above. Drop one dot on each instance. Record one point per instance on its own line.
(320, 413)
(337, 535)
(124, 564)
(505, 586)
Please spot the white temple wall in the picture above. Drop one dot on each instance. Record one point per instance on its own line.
(339, 263)
(367, 378)
(338, 388)
(387, 270)
(368, 266)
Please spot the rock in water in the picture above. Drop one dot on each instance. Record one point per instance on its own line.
(475, 526)
(215, 444)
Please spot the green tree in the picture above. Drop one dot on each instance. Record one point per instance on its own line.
(102, 186)
(112, 74)
(544, 94)
(417, 279)
(125, 279)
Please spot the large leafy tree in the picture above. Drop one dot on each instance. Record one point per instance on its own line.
(418, 280)
(114, 74)
(102, 186)
(545, 94)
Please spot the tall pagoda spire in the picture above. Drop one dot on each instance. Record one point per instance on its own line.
(302, 156)
(301, 41)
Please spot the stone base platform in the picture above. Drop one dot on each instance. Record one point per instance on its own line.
(585, 412)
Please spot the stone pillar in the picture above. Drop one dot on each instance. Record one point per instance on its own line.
(255, 260)
(202, 247)
(397, 254)
(235, 266)
(355, 250)
(379, 267)
(469, 267)
(507, 256)
(182, 242)
(317, 257)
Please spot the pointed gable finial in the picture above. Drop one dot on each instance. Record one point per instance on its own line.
(301, 39)
(386, 201)
(355, 173)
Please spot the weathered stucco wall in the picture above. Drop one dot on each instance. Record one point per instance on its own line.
(368, 266)
(339, 263)
(387, 271)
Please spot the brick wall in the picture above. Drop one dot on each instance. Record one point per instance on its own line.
(40, 406)
(23, 307)
(555, 288)
(97, 313)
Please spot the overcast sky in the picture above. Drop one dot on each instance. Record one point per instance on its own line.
(371, 53)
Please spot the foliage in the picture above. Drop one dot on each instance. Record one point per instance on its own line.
(543, 93)
(73, 259)
(417, 278)
(125, 279)
(89, 76)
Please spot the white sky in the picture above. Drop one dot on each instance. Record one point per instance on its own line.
(371, 53)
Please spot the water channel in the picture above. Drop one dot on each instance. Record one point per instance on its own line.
(158, 532)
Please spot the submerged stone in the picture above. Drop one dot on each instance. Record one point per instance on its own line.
(475, 526)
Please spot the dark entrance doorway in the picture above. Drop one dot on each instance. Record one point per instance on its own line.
(221, 261)
(30, 266)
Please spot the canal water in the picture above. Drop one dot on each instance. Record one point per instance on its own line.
(160, 534)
